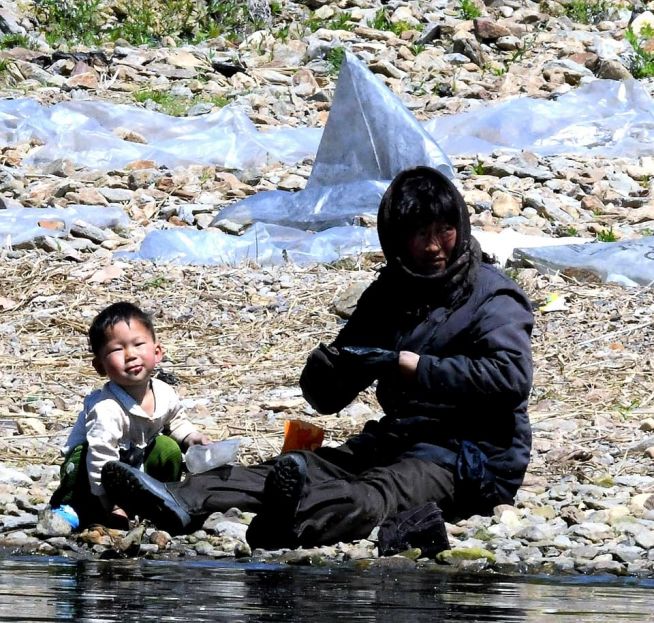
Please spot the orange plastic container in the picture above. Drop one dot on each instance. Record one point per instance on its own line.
(300, 435)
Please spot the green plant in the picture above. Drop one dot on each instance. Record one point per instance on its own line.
(145, 21)
(626, 410)
(647, 231)
(606, 235)
(642, 61)
(70, 20)
(468, 9)
(478, 168)
(335, 58)
(176, 106)
(588, 11)
(570, 230)
(283, 33)
(382, 21)
(16, 40)
(417, 48)
(168, 103)
(217, 100)
(157, 282)
(340, 21)
(4, 64)
(276, 7)
(234, 17)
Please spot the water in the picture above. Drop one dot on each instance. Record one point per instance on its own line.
(98, 592)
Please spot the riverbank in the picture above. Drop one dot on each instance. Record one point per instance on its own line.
(236, 339)
(236, 336)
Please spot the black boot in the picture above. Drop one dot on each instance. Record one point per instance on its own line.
(140, 494)
(421, 527)
(273, 528)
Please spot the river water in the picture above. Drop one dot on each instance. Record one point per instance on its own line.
(97, 592)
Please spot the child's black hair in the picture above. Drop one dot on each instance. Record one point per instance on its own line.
(110, 316)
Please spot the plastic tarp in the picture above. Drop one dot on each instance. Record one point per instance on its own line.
(370, 136)
(629, 263)
(262, 243)
(85, 132)
(603, 117)
(274, 244)
(20, 225)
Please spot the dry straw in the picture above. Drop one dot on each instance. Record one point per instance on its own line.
(236, 339)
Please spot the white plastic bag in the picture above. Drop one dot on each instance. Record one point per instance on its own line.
(201, 458)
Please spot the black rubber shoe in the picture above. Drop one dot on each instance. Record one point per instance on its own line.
(421, 527)
(284, 486)
(273, 528)
(140, 494)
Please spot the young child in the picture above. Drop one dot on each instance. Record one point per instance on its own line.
(133, 418)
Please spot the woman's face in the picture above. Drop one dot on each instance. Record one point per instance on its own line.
(430, 247)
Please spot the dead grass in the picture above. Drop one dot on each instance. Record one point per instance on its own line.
(236, 338)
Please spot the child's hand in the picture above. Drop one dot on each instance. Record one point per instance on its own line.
(194, 439)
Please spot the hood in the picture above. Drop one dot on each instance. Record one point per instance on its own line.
(446, 205)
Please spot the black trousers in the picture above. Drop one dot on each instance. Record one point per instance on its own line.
(350, 489)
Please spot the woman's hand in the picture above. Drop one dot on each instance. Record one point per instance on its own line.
(118, 518)
(409, 364)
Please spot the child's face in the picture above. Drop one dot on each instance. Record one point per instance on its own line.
(430, 247)
(130, 354)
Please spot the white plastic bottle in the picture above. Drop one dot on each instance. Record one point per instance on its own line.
(202, 458)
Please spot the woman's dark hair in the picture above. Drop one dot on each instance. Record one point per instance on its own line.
(418, 197)
(421, 199)
(110, 316)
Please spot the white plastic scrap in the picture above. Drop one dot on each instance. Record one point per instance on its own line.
(629, 263)
(20, 225)
(262, 243)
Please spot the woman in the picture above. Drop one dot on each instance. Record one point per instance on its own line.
(447, 337)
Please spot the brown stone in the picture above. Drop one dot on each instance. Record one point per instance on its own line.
(88, 80)
(612, 70)
(487, 29)
(592, 204)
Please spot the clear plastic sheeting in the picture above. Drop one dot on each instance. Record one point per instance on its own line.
(88, 134)
(603, 117)
(20, 225)
(262, 243)
(630, 262)
(275, 244)
(501, 245)
(369, 138)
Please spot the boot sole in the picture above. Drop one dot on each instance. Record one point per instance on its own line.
(137, 498)
(284, 485)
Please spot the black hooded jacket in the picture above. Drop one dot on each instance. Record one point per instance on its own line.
(472, 331)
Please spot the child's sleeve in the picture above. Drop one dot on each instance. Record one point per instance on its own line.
(104, 429)
(178, 425)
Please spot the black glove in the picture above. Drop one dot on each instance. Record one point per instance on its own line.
(377, 361)
(323, 357)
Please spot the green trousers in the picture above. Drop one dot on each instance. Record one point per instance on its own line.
(162, 459)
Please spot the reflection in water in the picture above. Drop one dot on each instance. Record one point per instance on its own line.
(98, 592)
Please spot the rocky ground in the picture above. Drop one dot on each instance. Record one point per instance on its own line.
(236, 336)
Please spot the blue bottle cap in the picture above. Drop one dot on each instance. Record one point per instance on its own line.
(68, 513)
